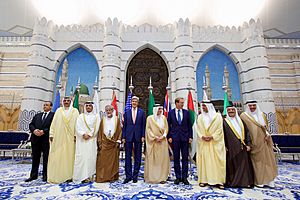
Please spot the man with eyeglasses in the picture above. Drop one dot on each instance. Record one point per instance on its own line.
(39, 128)
(62, 143)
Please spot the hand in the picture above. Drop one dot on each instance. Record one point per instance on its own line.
(42, 132)
(51, 139)
(190, 140)
(123, 141)
(170, 140)
(36, 132)
(248, 148)
(86, 136)
(143, 139)
(267, 138)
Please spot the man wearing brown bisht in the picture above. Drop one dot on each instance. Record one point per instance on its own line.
(109, 139)
(157, 160)
(262, 155)
(239, 170)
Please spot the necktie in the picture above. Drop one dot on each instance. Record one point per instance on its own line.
(44, 116)
(179, 117)
(134, 116)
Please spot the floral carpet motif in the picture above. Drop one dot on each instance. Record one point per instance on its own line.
(13, 174)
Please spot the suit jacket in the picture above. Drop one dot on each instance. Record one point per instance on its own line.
(131, 130)
(180, 132)
(37, 123)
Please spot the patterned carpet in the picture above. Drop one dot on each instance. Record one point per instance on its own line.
(13, 174)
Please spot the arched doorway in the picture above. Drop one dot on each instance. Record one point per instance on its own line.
(145, 64)
(212, 66)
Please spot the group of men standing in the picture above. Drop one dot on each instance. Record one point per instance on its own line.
(234, 151)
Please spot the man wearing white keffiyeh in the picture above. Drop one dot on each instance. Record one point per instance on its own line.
(211, 155)
(239, 171)
(62, 145)
(87, 126)
(262, 155)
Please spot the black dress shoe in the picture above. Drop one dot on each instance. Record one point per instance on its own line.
(185, 182)
(44, 179)
(177, 181)
(30, 179)
(126, 181)
(134, 180)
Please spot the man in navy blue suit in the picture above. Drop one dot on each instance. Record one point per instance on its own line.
(180, 135)
(133, 134)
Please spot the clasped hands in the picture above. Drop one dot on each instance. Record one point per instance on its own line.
(38, 132)
(207, 138)
(86, 136)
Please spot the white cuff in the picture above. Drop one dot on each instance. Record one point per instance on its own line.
(165, 134)
(119, 141)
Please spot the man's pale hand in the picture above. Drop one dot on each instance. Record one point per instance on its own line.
(190, 140)
(170, 140)
(143, 139)
(123, 141)
(248, 148)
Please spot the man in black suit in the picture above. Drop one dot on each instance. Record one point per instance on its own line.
(39, 128)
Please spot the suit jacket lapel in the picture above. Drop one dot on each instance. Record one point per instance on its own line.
(130, 114)
(174, 115)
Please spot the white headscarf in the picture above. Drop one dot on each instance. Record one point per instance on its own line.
(257, 114)
(158, 118)
(90, 117)
(235, 121)
(109, 125)
(67, 112)
(209, 116)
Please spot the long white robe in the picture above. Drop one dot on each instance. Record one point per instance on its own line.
(86, 150)
(62, 148)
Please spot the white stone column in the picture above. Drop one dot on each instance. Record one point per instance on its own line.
(255, 72)
(111, 63)
(39, 84)
(184, 62)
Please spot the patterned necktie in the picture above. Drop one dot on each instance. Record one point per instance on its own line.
(179, 117)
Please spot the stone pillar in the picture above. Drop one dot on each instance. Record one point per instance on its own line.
(38, 81)
(296, 62)
(255, 73)
(207, 80)
(184, 63)
(111, 64)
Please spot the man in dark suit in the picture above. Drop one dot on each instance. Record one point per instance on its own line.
(133, 134)
(39, 128)
(180, 135)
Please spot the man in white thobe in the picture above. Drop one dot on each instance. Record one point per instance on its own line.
(87, 127)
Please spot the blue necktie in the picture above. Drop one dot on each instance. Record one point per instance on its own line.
(179, 117)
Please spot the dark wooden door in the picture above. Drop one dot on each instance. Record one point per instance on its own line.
(143, 65)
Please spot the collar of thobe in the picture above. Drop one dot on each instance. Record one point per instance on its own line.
(158, 120)
(110, 124)
(254, 120)
(237, 128)
(209, 121)
(90, 118)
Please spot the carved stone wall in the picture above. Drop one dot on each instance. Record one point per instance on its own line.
(9, 118)
(289, 121)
